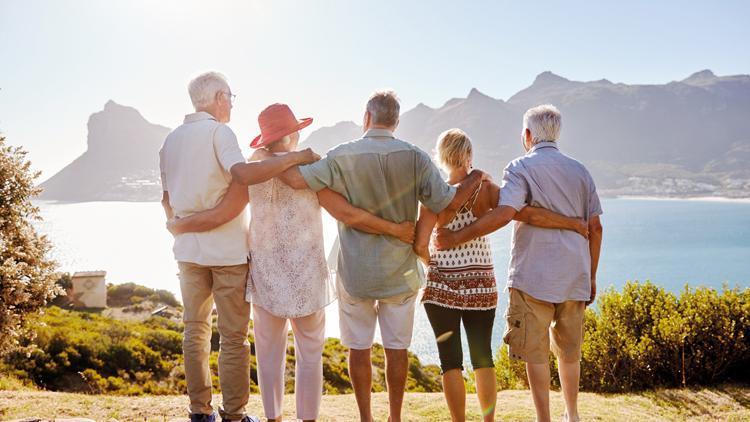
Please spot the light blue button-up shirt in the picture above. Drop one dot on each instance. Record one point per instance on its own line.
(550, 264)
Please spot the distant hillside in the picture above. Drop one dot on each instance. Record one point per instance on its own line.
(686, 138)
(121, 162)
(683, 138)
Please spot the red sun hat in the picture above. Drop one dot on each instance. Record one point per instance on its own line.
(276, 122)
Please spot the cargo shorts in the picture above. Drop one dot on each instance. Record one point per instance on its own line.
(530, 322)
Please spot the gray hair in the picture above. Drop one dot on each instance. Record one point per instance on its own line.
(544, 123)
(203, 88)
(384, 108)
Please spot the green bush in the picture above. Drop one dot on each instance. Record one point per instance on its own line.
(91, 353)
(646, 337)
(27, 273)
(126, 294)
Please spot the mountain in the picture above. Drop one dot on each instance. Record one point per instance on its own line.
(120, 163)
(682, 138)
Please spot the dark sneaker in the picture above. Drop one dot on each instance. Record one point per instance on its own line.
(247, 418)
(200, 417)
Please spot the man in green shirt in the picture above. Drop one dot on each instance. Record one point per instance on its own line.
(378, 276)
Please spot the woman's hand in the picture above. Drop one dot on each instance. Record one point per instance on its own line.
(405, 232)
(172, 226)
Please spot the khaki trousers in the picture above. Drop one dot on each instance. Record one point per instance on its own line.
(201, 286)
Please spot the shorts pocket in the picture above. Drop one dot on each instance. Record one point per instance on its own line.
(515, 334)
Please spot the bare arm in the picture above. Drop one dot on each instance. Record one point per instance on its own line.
(485, 225)
(425, 224)
(292, 177)
(595, 247)
(254, 172)
(464, 190)
(165, 204)
(545, 218)
(342, 210)
(231, 205)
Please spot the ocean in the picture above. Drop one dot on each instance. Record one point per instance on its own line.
(670, 242)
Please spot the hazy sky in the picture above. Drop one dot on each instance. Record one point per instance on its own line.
(62, 60)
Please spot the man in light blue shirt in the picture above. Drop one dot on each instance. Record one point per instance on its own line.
(552, 273)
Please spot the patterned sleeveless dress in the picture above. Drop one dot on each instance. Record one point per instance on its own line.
(289, 274)
(462, 277)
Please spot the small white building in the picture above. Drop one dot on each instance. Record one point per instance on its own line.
(89, 289)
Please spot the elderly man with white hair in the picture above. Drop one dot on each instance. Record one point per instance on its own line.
(200, 162)
(552, 273)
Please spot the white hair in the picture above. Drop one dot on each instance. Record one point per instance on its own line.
(544, 123)
(203, 88)
(384, 107)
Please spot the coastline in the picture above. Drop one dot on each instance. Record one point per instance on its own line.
(682, 198)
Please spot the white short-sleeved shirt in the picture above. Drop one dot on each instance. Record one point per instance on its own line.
(195, 161)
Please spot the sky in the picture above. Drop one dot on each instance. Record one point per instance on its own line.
(63, 60)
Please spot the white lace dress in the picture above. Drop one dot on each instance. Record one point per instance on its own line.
(289, 276)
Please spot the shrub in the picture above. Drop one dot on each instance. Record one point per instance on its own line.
(646, 337)
(27, 274)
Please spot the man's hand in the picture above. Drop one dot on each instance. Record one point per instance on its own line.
(582, 228)
(485, 176)
(593, 292)
(306, 156)
(405, 232)
(445, 239)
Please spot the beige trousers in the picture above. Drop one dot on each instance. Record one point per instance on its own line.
(202, 286)
(270, 352)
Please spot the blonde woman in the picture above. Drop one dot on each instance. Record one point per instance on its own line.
(461, 285)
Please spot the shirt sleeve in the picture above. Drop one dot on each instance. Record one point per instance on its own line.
(322, 174)
(226, 148)
(432, 190)
(162, 170)
(514, 190)
(594, 205)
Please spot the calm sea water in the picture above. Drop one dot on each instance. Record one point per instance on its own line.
(670, 242)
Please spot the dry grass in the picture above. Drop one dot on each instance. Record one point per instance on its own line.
(725, 404)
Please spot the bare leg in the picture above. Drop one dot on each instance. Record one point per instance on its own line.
(360, 372)
(570, 374)
(486, 391)
(538, 374)
(455, 394)
(396, 367)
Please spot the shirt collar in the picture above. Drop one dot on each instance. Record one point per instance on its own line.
(543, 144)
(378, 133)
(198, 116)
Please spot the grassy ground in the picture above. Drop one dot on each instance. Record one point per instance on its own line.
(726, 404)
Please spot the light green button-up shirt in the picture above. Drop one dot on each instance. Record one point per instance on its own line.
(387, 177)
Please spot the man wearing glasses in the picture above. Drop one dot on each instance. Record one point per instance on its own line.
(200, 162)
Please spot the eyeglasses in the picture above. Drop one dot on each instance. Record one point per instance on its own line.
(232, 97)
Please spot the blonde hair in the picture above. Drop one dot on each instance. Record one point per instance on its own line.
(453, 149)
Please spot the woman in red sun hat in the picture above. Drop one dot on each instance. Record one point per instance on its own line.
(289, 280)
